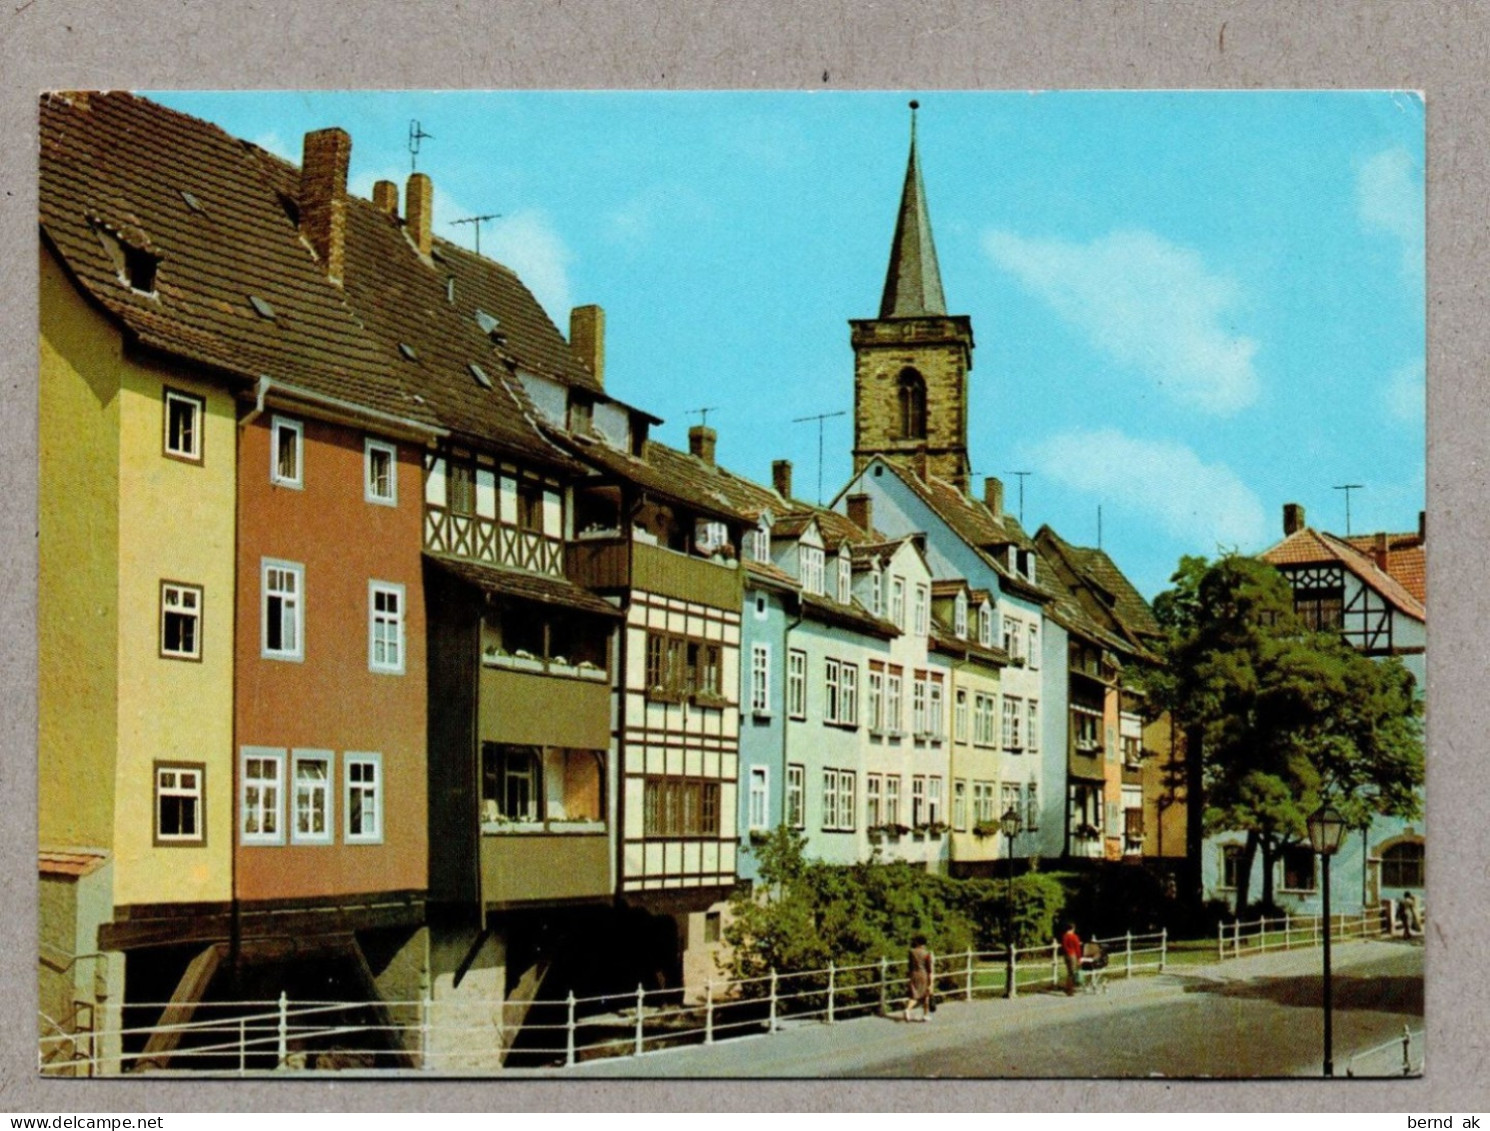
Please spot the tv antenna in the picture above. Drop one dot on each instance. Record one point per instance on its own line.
(820, 417)
(1348, 488)
(703, 414)
(416, 135)
(476, 222)
(1022, 476)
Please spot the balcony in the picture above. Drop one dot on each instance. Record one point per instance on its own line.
(486, 540)
(545, 862)
(621, 563)
(543, 707)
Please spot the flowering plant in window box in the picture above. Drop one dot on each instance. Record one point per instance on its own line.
(986, 829)
(890, 830)
(709, 699)
(936, 828)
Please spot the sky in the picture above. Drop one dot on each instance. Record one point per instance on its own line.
(1189, 308)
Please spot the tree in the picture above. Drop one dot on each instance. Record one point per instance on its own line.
(1278, 716)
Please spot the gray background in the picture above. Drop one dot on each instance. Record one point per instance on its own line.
(1438, 48)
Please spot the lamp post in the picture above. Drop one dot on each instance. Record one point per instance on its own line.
(1326, 834)
(1009, 825)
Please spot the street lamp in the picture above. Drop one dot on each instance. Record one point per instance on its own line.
(1009, 825)
(1326, 835)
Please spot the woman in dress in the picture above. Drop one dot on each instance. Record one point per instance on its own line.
(920, 968)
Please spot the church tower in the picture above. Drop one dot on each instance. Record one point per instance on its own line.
(911, 363)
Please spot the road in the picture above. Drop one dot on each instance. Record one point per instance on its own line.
(1250, 1017)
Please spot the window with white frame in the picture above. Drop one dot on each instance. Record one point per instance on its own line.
(918, 801)
(184, 416)
(876, 593)
(847, 816)
(1010, 799)
(830, 800)
(831, 669)
(178, 803)
(1012, 638)
(983, 719)
(1032, 729)
(933, 800)
(959, 805)
(893, 716)
(760, 678)
(918, 704)
(760, 542)
(759, 798)
(385, 641)
(380, 465)
(180, 621)
(983, 813)
(876, 696)
(845, 577)
(363, 775)
(1031, 809)
(959, 716)
(311, 805)
(283, 610)
(923, 604)
(848, 696)
(1013, 709)
(1032, 637)
(262, 796)
(796, 796)
(873, 800)
(796, 684)
(897, 602)
(811, 562)
(959, 616)
(985, 625)
(892, 799)
(286, 454)
(934, 706)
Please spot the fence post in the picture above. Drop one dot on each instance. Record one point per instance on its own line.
(1285, 930)
(1406, 1051)
(968, 990)
(772, 1029)
(641, 998)
(1055, 968)
(242, 1047)
(1129, 954)
(569, 1033)
(832, 975)
(425, 1009)
(1163, 948)
(1013, 969)
(1220, 942)
(284, 1028)
(709, 1012)
(884, 985)
(1236, 939)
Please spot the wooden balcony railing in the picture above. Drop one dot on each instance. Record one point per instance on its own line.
(486, 540)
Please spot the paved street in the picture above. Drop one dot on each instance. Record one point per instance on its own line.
(1256, 1016)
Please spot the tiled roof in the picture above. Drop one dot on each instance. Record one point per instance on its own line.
(945, 640)
(1094, 599)
(403, 300)
(663, 472)
(1406, 558)
(769, 572)
(852, 616)
(974, 523)
(1308, 546)
(538, 587)
(74, 863)
(121, 163)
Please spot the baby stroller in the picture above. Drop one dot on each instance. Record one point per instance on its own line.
(1093, 963)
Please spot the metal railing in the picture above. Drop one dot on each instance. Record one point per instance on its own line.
(463, 1036)
(1294, 932)
(1400, 1056)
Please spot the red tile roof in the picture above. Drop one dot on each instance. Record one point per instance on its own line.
(1308, 546)
(1406, 558)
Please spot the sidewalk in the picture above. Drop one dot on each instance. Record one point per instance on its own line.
(815, 1049)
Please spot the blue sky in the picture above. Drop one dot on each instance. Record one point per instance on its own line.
(1190, 308)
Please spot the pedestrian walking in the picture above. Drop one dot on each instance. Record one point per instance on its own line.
(920, 971)
(1071, 948)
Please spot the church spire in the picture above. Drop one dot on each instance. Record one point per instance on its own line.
(913, 284)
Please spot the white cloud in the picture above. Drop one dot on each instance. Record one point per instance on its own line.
(660, 207)
(1389, 198)
(1148, 304)
(1406, 393)
(1203, 504)
(525, 241)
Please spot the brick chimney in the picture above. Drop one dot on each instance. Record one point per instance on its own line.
(1379, 550)
(323, 197)
(1293, 518)
(385, 196)
(701, 441)
(993, 495)
(420, 204)
(781, 477)
(587, 339)
(861, 511)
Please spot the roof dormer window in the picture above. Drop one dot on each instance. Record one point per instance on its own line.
(845, 577)
(134, 264)
(810, 568)
(876, 591)
(760, 541)
(959, 623)
(985, 625)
